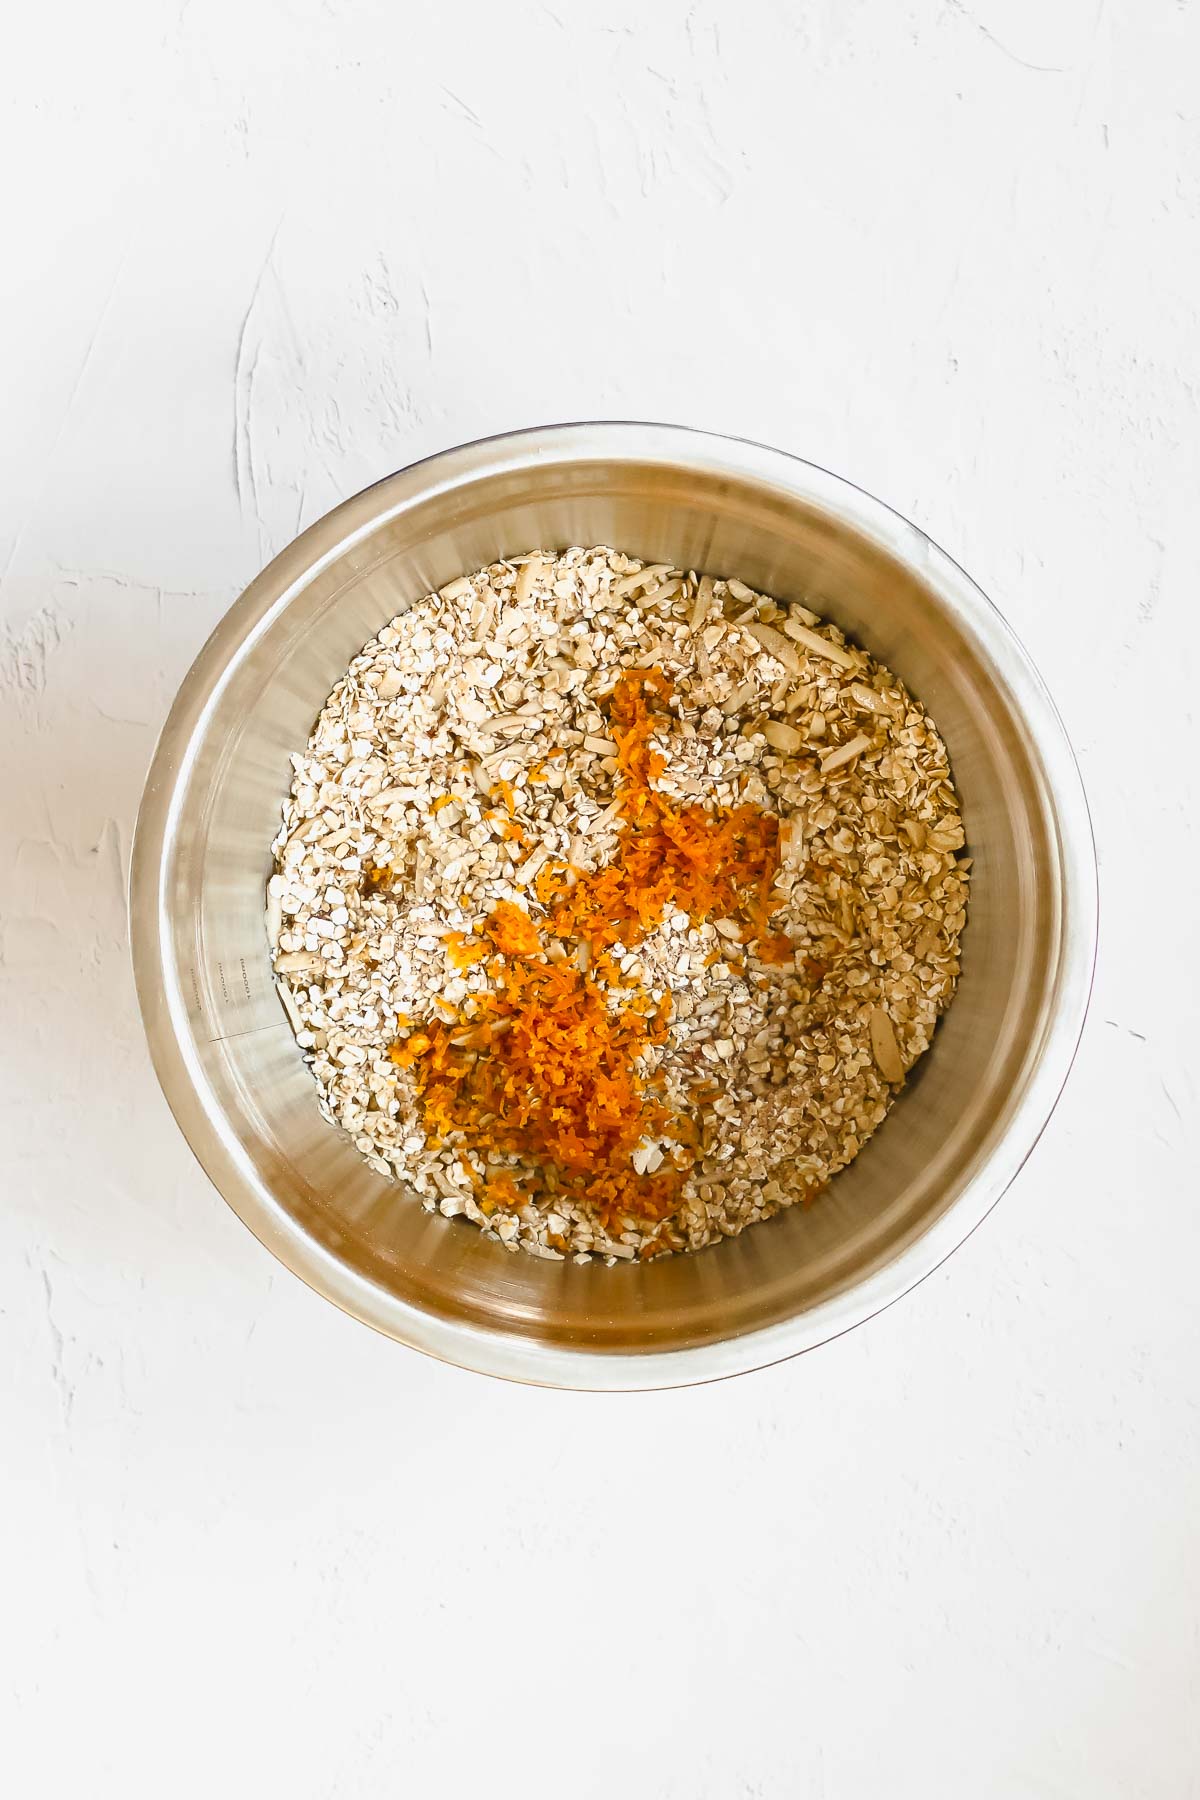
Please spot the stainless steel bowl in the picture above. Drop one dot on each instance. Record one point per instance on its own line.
(225, 1054)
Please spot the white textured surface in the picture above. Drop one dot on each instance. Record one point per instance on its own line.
(263, 253)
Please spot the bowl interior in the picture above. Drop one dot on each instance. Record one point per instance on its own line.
(313, 1198)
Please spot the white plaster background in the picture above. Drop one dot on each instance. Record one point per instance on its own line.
(257, 255)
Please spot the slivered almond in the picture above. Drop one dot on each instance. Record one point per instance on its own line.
(812, 640)
(629, 584)
(532, 865)
(288, 1003)
(394, 796)
(661, 594)
(299, 962)
(843, 754)
(782, 737)
(525, 580)
(775, 644)
(884, 1047)
(702, 602)
(739, 698)
(602, 820)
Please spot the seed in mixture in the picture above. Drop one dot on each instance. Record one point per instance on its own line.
(612, 904)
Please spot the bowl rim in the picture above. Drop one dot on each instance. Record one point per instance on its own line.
(160, 993)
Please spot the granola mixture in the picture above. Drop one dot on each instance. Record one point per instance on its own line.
(613, 903)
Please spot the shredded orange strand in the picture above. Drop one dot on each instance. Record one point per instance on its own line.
(557, 1083)
(464, 951)
(707, 864)
(512, 931)
(543, 1066)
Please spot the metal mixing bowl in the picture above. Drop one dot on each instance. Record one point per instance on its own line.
(225, 1054)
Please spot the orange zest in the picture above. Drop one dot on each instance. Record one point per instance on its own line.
(557, 1082)
(548, 1065)
(463, 951)
(512, 931)
(706, 863)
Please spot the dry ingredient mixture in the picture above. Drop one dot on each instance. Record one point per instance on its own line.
(613, 903)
